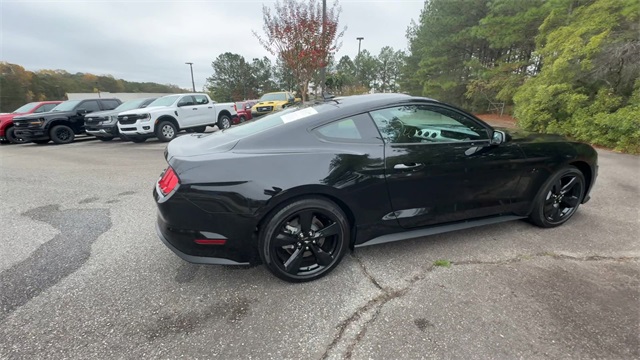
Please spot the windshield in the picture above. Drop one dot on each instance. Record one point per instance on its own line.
(26, 108)
(130, 105)
(165, 100)
(276, 119)
(66, 106)
(274, 97)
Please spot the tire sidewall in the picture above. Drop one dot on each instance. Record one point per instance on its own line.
(11, 136)
(221, 122)
(54, 136)
(161, 136)
(537, 215)
(279, 214)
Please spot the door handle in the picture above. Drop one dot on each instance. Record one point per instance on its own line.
(407, 166)
(195, 108)
(210, 107)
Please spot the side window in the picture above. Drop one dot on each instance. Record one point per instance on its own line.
(186, 101)
(357, 129)
(426, 124)
(201, 99)
(90, 106)
(109, 104)
(40, 109)
(47, 107)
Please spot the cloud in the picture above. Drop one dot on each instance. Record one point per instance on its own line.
(151, 40)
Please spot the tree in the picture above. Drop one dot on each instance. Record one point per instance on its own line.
(295, 33)
(389, 64)
(367, 69)
(231, 79)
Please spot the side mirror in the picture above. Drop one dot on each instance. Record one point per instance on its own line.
(498, 137)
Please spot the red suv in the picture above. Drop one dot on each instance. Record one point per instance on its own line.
(244, 110)
(6, 120)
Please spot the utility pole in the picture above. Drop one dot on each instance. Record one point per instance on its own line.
(323, 71)
(192, 82)
(360, 38)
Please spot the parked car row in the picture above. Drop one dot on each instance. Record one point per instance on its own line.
(135, 120)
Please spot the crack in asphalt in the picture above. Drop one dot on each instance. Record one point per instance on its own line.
(352, 330)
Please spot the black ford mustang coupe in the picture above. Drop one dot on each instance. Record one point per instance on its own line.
(298, 188)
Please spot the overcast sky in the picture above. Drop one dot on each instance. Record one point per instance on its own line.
(151, 40)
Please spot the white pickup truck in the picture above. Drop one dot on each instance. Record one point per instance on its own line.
(168, 115)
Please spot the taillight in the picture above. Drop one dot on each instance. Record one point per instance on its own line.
(168, 181)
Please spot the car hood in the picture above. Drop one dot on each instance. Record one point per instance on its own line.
(145, 110)
(200, 144)
(270, 103)
(102, 113)
(47, 115)
(524, 136)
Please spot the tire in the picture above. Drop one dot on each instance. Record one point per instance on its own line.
(224, 122)
(62, 134)
(11, 137)
(559, 198)
(166, 131)
(40, 142)
(242, 119)
(104, 138)
(199, 129)
(296, 258)
(138, 139)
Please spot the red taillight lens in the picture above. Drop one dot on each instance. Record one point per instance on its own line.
(168, 181)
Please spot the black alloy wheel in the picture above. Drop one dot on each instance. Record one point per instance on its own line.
(559, 199)
(305, 240)
(62, 134)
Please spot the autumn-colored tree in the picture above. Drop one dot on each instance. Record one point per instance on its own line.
(294, 31)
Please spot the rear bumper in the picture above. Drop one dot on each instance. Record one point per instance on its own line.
(180, 223)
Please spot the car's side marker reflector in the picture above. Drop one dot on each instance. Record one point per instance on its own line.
(211, 241)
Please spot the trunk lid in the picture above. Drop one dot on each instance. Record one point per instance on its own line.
(200, 144)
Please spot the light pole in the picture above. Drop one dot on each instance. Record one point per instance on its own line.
(323, 71)
(360, 38)
(192, 82)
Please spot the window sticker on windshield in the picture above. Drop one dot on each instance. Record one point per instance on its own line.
(297, 115)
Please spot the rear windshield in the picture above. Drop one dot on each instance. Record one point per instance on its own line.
(278, 118)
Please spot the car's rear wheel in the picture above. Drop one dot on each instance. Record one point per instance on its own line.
(559, 198)
(166, 131)
(224, 122)
(62, 134)
(12, 138)
(304, 240)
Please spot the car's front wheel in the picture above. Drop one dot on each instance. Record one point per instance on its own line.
(12, 138)
(62, 134)
(304, 240)
(559, 198)
(166, 131)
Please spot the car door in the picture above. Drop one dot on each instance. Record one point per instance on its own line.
(205, 113)
(85, 107)
(440, 166)
(187, 111)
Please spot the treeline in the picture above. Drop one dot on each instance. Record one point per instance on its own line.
(561, 66)
(19, 86)
(235, 78)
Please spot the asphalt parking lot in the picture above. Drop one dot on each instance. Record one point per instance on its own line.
(83, 275)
